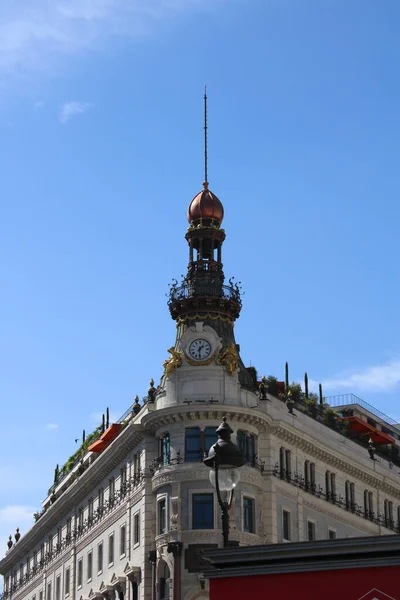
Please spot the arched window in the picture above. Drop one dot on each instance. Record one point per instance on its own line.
(163, 581)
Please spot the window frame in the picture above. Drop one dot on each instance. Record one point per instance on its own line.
(334, 531)
(79, 573)
(160, 500)
(287, 511)
(67, 582)
(58, 587)
(246, 496)
(314, 530)
(136, 529)
(202, 492)
(100, 554)
(122, 540)
(193, 455)
(111, 545)
(89, 563)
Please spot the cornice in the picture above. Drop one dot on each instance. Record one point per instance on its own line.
(111, 457)
(287, 433)
(182, 414)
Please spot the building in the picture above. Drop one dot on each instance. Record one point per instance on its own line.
(132, 511)
(366, 568)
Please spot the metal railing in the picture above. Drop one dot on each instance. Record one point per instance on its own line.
(346, 399)
(202, 289)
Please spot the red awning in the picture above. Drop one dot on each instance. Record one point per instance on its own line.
(97, 446)
(111, 432)
(362, 428)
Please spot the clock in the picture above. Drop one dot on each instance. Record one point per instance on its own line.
(199, 349)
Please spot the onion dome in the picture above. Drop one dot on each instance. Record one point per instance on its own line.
(205, 205)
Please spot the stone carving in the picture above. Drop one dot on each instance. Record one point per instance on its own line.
(229, 358)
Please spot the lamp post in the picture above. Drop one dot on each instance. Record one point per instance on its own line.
(224, 458)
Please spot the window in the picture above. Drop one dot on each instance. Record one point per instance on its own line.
(67, 581)
(203, 511)
(100, 499)
(59, 537)
(241, 441)
(35, 559)
(349, 495)
(123, 472)
(368, 505)
(90, 510)
(248, 514)
(50, 545)
(100, 558)
(307, 474)
(41, 595)
(310, 531)
(41, 552)
(330, 486)
(69, 527)
(388, 506)
(110, 549)
(89, 566)
(164, 581)
(162, 516)
(286, 525)
(285, 463)
(192, 444)
(331, 534)
(210, 437)
(136, 529)
(312, 477)
(111, 489)
(58, 587)
(136, 463)
(80, 572)
(48, 596)
(122, 540)
(80, 518)
(164, 449)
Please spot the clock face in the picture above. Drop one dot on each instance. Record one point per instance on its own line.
(199, 349)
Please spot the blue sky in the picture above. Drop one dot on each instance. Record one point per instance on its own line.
(101, 153)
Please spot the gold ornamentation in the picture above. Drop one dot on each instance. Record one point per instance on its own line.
(173, 362)
(199, 316)
(229, 358)
(201, 363)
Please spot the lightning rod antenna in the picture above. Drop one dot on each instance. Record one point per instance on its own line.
(205, 184)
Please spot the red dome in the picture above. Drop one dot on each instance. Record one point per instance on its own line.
(205, 206)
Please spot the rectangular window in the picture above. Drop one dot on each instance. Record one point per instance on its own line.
(388, 506)
(136, 463)
(327, 485)
(251, 449)
(310, 531)
(80, 572)
(48, 596)
(282, 462)
(193, 444)
(69, 527)
(67, 581)
(210, 437)
(100, 558)
(288, 464)
(123, 472)
(203, 511)
(58, 587)
(100, 500)
(312, 477)
(111, 489)
(50, 545)
(331, 534)
(286, 526)
(136, 529)
(59, 537)
(90, 509)
(111, 549)
(248, 514)
(368, 505)
(41, 595)
(89, 566)
(241, 441)
(80, 518)
(162, 516)
(307, 474)
(164, 450)
(35, 558)
(333, 487)
(41, 552)
(122, 540)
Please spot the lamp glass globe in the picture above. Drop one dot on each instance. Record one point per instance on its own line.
(228, 479)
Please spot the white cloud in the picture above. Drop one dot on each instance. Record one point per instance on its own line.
(12, 517)
(34, 32)
(376, 378)
(51, 426)
(38, 105)
(72, 109)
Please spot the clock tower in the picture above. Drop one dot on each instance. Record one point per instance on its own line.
(205, 307)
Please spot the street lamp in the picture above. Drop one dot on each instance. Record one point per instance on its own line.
(224, 458)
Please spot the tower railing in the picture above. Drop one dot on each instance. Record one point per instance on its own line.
(205, 288)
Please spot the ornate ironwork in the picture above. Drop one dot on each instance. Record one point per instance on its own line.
(299, 480)
(187, 289)
(165, 461)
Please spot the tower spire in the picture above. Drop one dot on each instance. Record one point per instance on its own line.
(205, 183)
